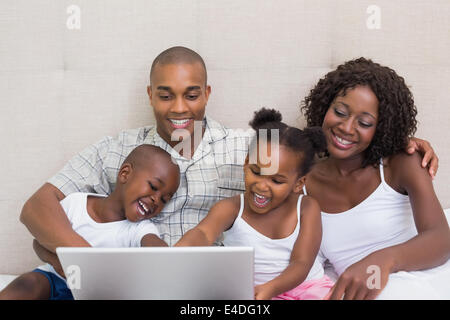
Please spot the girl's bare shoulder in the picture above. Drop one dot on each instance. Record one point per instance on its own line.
(309, 205)
(233, 203)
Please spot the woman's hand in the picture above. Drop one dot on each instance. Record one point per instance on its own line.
(430, 158)
(264, 292)
(363, 280)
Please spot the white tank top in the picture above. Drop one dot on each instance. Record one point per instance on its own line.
(271, 255)
(381, 220)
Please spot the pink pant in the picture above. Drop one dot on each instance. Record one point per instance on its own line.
(315, 289)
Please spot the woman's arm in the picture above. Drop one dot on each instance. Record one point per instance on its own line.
(303, 254)
(431, 224)
(45, 218)
(219, 219)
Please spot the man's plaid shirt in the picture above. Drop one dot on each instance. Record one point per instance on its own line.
(215, 172)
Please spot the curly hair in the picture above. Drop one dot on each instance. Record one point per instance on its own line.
(396, 109)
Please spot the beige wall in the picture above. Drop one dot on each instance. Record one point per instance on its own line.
(63, 89)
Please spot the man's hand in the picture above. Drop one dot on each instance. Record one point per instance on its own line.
(49, 257)
(429, 160)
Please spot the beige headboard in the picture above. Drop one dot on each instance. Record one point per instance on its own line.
(74, 71)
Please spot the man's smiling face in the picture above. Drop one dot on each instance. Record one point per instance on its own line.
(178, 94)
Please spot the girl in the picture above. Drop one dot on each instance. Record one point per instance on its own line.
(268, 216)
(380, 212)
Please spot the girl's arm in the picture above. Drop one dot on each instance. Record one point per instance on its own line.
(430, 248)
(219, 219)
(152, 240)
(303, 254)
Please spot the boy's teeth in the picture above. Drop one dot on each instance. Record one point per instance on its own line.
(143, 206)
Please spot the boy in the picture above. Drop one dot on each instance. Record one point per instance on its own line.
(146, 182)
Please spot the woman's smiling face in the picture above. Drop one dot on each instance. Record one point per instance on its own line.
(350, 122)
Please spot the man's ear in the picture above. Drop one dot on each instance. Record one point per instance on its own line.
(124, 173)
(207, 92)
(149, 92)
(299, 184)
(246, 160)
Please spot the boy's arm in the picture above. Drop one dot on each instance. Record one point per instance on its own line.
(45, 218)
(303, 254)
(43, 215)
(219, 219)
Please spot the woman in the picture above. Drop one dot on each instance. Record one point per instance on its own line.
(380, 214)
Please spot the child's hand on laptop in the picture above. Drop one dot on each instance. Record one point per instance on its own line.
(264, 292)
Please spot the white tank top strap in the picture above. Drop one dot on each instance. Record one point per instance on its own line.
(381, 171)
(241, 208)
(299, 201)
(304, 190)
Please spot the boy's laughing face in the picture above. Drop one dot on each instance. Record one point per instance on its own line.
(178, 94)
(145, 191)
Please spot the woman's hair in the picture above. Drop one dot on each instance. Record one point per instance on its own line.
(308, 142)
(396, 109)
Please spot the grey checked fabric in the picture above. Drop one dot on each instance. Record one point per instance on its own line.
(214, 172)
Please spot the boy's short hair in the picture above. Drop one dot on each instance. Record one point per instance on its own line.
(178, 55)
(141, 155)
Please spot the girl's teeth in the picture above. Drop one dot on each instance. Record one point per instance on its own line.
(261, 200)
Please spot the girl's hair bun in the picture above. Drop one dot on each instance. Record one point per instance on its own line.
(264, 116)
(317, 138)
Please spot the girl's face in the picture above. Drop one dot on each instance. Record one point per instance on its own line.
(264, 193)
(350, 123)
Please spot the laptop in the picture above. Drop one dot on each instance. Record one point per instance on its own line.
(159, 273)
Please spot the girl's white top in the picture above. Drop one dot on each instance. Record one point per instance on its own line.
(271, 255)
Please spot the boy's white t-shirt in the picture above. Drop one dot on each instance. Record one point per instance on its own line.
(117, 234)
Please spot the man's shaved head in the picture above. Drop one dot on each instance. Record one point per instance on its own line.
(178, 55)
